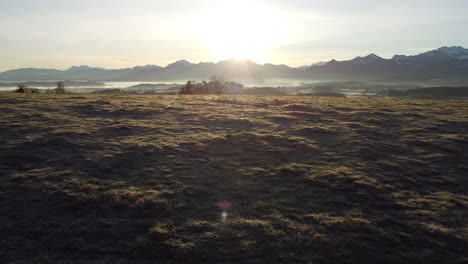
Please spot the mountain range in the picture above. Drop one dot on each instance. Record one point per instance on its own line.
(446, 63)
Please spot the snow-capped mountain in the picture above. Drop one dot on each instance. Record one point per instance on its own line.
(447, 53)
(444, 53)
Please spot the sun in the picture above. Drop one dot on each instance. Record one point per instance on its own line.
(239, 31)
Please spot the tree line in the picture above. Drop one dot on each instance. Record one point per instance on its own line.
(23, 88)
(215, 86)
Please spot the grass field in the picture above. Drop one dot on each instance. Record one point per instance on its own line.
(135, 178)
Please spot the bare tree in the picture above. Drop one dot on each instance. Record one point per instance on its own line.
(60, 88)
(21, 88)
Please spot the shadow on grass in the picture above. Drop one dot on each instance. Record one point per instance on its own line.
(322, 183)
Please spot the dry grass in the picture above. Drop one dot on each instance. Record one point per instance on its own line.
(134, 178)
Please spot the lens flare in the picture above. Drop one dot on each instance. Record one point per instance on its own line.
(224, 216)
(224, 205)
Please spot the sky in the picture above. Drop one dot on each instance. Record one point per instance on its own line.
(124, 33)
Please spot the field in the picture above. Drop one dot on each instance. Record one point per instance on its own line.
(144, 178)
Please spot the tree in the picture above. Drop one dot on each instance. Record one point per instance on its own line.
(21, 88)
(60, 88)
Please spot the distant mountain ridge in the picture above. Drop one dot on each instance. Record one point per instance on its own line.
(438, 54)
(443, 63)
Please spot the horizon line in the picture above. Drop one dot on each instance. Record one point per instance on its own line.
(235, 59)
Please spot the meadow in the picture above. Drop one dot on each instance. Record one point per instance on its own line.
(90, 178)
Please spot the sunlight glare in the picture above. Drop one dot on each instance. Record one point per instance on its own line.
(239, 31)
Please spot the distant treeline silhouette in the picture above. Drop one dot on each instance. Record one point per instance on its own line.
(23, 88)
(215, 86)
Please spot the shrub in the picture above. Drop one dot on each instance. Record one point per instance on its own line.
(23, 88)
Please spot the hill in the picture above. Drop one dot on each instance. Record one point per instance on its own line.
(232, 179)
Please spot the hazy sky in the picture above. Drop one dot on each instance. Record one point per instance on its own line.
(125, 33)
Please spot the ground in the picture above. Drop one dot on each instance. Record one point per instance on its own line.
(145, 178)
